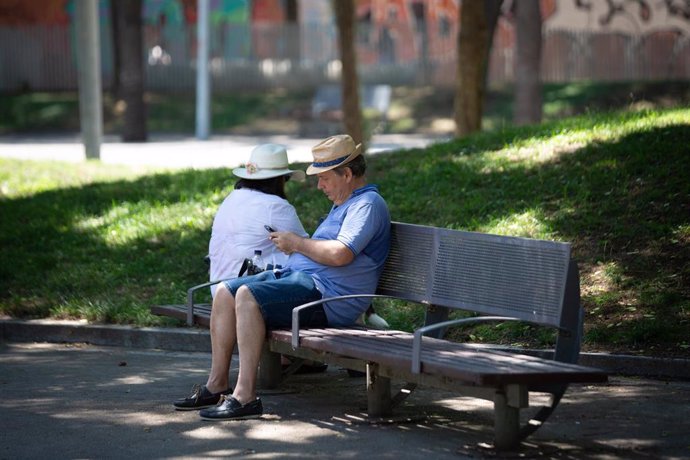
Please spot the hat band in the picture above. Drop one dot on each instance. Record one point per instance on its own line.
(324, 164)
(253, 168)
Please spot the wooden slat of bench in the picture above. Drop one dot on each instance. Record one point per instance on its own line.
(393, 348)
(462, 362)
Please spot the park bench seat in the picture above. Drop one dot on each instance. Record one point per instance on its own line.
(465, 363)
(495, 278)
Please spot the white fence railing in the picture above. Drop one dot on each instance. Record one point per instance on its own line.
(259, 57)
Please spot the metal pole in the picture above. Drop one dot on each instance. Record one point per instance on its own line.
(203, 85)
(89, 74)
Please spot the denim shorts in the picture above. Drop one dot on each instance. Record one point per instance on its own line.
(279, 293)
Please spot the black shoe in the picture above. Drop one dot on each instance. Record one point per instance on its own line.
(231, 409)
(200, 398)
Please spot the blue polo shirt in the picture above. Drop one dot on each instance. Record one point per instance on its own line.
(362, 224)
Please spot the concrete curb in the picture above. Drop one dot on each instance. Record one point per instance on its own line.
(198, 340)
(172, 339)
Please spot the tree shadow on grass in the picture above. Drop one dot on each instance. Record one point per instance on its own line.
(108, 250)
(625, 206)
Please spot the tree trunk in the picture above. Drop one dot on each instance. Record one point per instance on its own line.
(473, 43)
(293, 31)
(129, 26)
(352, 114)
(493, 12)
(115, 36)
(528, 97)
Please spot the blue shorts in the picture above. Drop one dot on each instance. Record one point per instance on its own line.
(279, 293)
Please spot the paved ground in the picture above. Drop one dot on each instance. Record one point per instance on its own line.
(176, 151)
(83, 401)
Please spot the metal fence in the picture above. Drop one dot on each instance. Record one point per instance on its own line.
(260, 56)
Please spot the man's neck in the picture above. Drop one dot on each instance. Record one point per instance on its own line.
(358, 182)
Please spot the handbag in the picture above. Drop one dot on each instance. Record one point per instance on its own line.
(249, 267)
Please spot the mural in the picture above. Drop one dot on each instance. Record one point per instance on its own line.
(622, 16)
(16, 12)
(411, 40)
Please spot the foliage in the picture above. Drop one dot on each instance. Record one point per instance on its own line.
(413, 110)
(104, 243)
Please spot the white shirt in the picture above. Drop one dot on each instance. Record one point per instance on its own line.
(238, 229)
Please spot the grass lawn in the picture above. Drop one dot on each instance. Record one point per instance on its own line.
(104, 243)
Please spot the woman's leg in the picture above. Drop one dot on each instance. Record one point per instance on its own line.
(250, 344)
(223, 337)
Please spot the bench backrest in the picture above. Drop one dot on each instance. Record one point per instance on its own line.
(532, 280)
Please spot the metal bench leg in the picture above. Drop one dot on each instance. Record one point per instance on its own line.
(507, 404)
(379, 403)
(402, 395)
(544, 412)
(270, 370)
(506, 424)
(436, 314)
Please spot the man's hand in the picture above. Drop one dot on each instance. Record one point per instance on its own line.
(327, 252)
(286, 242)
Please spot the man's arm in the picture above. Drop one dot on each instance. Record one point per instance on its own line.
(326, 252)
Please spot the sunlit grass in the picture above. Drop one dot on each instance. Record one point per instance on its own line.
(127, 223)
(25, 178)
(529, 224)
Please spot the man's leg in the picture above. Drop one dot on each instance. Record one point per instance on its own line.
(250, 341)
(223, 336)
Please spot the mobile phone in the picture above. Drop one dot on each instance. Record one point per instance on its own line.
(269, 228)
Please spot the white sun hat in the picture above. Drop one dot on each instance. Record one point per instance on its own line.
(267, 161)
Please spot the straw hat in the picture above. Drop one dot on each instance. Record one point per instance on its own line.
(333, 152)
(267, 161)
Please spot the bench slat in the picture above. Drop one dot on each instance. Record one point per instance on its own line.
(406, 272)
(465, 363)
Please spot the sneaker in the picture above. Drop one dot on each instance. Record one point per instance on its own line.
(231, 409)
(199, 398)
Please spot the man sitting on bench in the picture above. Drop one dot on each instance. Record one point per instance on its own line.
(345, 256)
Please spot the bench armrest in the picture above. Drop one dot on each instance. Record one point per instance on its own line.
(417, 340)
(296, 311)
(190, 299)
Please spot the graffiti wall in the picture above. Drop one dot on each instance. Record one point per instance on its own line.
(398, 41)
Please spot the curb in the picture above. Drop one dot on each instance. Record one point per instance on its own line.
(170, 339)
(199, 340)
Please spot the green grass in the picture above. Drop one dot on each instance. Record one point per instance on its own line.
(105, 243)
(167, 113)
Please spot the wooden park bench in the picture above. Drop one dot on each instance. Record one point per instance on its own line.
(495, 278)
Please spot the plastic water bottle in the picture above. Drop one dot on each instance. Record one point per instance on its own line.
(257, 262)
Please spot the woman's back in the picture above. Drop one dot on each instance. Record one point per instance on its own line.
(238, 230)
